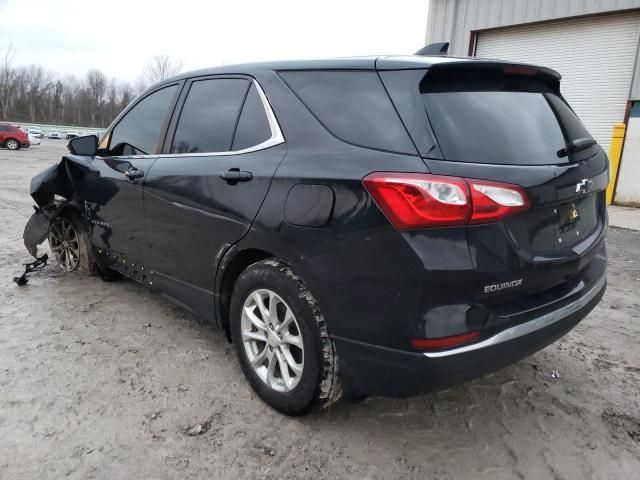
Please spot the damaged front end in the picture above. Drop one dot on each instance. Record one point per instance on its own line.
(53, 191)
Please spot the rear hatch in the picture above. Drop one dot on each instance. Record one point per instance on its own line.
(509, 123)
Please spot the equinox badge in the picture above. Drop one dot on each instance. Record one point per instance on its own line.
(496, 287)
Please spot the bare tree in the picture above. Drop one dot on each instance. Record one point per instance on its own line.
(7, 78)
(140, 85)
(70, 105)
(111, 106)
(160, 68)
(38, 83)
(126, 94)
(34, 94)
(96, 88)
(56, 110)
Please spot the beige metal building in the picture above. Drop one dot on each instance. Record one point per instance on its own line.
(592, 43)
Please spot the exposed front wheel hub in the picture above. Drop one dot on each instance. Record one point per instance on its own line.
(63, 241)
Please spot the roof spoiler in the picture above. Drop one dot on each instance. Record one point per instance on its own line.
(435, 49)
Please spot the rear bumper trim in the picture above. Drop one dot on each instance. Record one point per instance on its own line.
(527, 327)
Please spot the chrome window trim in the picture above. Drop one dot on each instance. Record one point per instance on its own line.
(527, 327)
(276, 134)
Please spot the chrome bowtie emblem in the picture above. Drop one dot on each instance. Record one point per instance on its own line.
(583, 185)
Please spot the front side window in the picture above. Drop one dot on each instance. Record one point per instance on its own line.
(210, 115)
(138, 131)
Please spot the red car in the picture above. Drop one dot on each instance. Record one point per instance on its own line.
(12, 137)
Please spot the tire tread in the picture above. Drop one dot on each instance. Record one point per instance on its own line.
(326, 388)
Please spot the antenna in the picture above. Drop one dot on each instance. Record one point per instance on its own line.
(436, 49)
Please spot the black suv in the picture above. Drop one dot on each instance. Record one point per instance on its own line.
(364, 226)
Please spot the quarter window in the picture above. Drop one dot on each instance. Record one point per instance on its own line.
(353, 106)
(209, 116)
(253, 125)
(138, 132)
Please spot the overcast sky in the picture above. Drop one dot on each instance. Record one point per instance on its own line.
(120, 36)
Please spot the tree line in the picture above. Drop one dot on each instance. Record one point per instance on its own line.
(32, 94)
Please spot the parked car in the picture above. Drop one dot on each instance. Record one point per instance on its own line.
(364, 226)
(35, 132)
(72, 134)
(33, 140)
(54, 134)
(12, 137)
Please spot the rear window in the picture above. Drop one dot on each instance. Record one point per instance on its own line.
(500, 118)
(353, 106)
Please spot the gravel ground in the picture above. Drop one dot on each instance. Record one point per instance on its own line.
(105, 380)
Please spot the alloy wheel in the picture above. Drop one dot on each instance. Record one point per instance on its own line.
(63, 241)
(12, 144)
(272, 340)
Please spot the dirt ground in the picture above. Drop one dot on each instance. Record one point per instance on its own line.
(104, 380)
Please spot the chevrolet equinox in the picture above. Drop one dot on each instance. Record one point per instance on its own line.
(366, 226)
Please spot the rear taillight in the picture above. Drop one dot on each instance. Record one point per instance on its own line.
(492, 201)
(418, 200)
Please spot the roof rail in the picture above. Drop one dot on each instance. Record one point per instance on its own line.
(436, 49)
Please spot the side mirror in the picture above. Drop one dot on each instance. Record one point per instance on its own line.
(87, 145)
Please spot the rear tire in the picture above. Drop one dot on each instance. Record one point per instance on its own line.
(70, 244)
(282, 341)
(12, 144)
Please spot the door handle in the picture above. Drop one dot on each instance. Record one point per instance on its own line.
(235, 175)
(132, 173)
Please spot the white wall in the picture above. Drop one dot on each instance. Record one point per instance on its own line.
(454, 20)
(628, 188)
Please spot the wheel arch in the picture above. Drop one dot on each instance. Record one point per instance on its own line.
(232, 265)
(15, 140)
(67, 208)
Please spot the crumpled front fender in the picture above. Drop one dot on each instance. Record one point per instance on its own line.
(37, 228)
(35, 232)
(57, 180)
(45, 185)
(53, 191)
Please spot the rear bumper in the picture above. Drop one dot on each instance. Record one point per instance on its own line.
(374, 370)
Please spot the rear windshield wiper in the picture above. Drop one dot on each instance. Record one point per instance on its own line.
(576, 145)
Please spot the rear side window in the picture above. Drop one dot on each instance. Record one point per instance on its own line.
(4, 128)
(253, 125)
(209, 116)
(139, 129)
(353, 106)
(491, 117)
